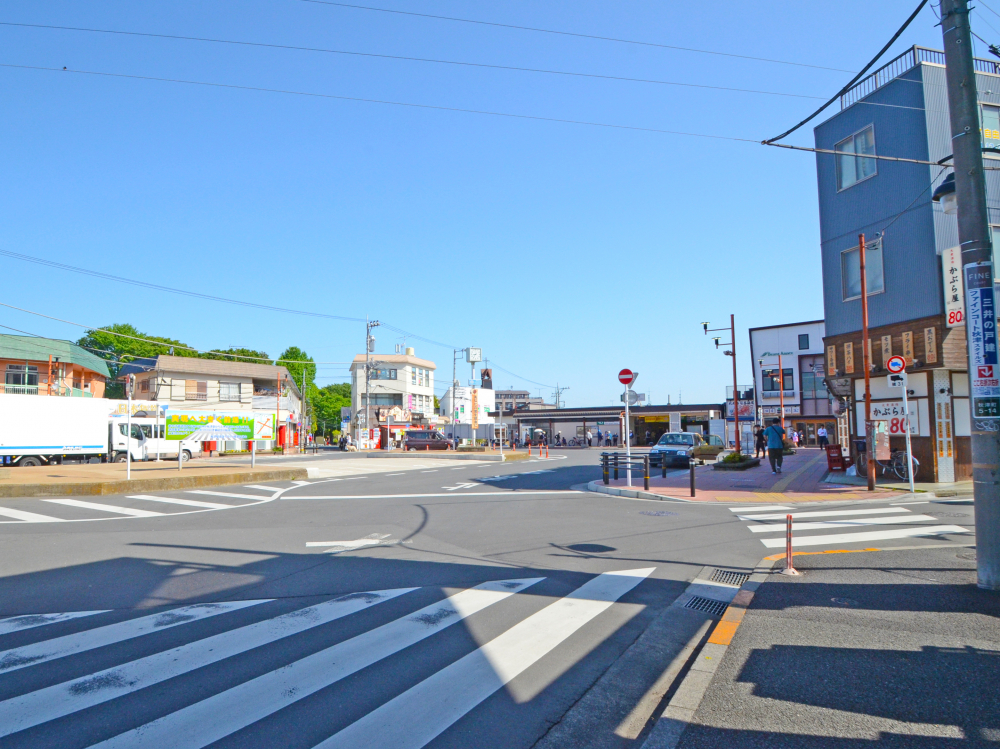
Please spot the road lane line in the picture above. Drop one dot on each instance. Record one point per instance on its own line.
(511, 493)
(215, 717)
(256, 497)
(406, 722)
(30, 621)
(106, 508)
(28, 517)
(262, 488)
(825, 513)
(850, 523)
(178, 501)
(851, 538)
(47, 650)
(760, 508)
(50, 703)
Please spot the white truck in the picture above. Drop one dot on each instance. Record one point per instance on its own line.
(157, 446)
(49, 430)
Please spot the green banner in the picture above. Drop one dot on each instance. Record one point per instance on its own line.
(183, 424)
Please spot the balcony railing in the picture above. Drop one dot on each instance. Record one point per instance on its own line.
(19, 389)
(196, 396)
(899, 65)
(67, 392)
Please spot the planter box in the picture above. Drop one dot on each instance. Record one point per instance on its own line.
(741, 466)
(471, 449)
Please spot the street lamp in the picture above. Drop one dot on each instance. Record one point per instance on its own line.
(736, 390)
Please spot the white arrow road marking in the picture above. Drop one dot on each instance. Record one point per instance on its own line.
(47, 650)
(421, 713)
(106, 508)
(826, 525)
(27, 517)
(227, 494)
(375, 539)
(29, 621)
(850, 538)
(53, 702)
(460, 486)
(221, 714)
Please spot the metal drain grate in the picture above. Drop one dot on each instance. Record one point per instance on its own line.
(715, 608)
(728, 577)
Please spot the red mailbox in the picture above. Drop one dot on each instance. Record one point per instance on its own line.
(835, 458)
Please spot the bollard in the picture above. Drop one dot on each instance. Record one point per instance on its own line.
(663, 464)
(604, 466)
(616, 466)
(645, 472)
(546, 451)
(789, 569)
(691, 470)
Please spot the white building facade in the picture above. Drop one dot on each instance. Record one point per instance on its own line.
(402, 380)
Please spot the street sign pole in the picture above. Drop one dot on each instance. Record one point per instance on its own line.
(896, 365)
(909, 450)
(628, 441)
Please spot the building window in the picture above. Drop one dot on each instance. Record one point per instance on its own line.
(385, 399)
(850, 266)
(413, 375)
(814, 386)
(229, 391)
(851, 168)
(804, 341)
(21, 375)
(991, 126)
(195, 390)
(383, 374)
(144, 386)
(771, 383)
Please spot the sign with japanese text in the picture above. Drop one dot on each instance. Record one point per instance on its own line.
(475, 408)
(981, 327)
(849, 358)
(895, 416)
(746, 410)
(951, 269)
(182, 424)
(930, 346)
(908, 347)
(831, 360)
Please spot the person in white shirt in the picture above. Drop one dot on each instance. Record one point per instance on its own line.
(821, 434)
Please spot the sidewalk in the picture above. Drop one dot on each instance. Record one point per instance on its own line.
(801, 480)
(892, 648)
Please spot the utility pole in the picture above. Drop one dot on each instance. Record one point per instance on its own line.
(974, 239)
(369, 347)
(866, 363)
(732, 353)
(302, 416)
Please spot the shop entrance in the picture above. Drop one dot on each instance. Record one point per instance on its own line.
(807, 431)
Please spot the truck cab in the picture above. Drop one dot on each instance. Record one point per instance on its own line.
(120, 443)
(157, 446)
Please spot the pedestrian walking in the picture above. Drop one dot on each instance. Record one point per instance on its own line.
(775, 445)
(590, 439)
(795, 438)
(821, 436)
(760, 443)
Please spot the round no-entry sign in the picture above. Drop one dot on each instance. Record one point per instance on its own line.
(895, 364)
(627, 376)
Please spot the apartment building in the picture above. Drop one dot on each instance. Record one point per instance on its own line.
(48, 366)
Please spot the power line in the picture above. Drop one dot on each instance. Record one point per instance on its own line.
(856, 78)
(573, 34)
(867, 156)
(436, 107)
(406, 59)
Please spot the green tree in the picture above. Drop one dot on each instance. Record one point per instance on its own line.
(294, 354)
(233, 354)
(327, 402)
(119, 349)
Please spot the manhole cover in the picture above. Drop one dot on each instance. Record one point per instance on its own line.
(847, 602)
(591, 548)
(728, 577)
(658, 513)
(952, 514)
(969, 555)
(715, 608)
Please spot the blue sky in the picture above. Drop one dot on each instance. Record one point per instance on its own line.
(565, 251)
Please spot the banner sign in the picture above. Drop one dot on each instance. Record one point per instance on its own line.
(746, 410)
(981, 327)
(246, 425)
(951, 269)
(895, 416)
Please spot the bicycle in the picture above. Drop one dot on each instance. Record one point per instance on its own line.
(896, 463)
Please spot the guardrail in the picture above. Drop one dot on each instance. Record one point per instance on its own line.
(615, 462)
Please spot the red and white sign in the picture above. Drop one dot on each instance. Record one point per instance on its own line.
(627, 376)
(895, 364)
(986, 376)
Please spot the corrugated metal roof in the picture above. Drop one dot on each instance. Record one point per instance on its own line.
(31, 348)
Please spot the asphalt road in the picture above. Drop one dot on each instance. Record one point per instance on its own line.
(402, 603)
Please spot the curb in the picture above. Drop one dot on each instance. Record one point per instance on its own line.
(670, 726)
(97, 488)
(598, 486)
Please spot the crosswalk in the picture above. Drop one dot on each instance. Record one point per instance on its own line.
(136, 505)
(209, 703)
(814, 528)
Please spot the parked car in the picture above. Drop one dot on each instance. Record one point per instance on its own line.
(709, 448)
(426, 439)
(677, 448)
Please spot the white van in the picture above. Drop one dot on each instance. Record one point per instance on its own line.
(157, 444)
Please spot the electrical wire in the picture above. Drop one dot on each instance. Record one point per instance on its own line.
(390, 102)
(572, 34)
(855, 79)
(866, 156)
(407, 59)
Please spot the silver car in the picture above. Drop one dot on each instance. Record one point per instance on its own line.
(677, 448)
